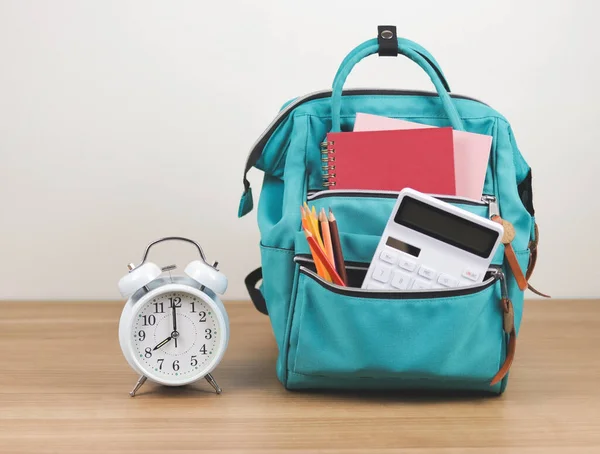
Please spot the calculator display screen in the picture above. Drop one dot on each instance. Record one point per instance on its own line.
(402, 246)
(446, 227)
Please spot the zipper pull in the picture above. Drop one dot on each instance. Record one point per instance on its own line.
(499, 274)
(508, 326)
(507, 306)
(492, 202)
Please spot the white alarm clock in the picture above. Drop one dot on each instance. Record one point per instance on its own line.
(174, 329)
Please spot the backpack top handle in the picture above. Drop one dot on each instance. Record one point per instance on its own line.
(405, 42)
(405, 48)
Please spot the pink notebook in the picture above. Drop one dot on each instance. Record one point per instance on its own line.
(471, 151)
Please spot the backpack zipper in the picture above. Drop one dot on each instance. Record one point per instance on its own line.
(398, 295)
(486, 199)
(264, 137)
(307, 259)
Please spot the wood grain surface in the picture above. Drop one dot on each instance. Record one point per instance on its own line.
(64, 388)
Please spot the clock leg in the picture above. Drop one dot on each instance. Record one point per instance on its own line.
(138, 385)
(213, 383)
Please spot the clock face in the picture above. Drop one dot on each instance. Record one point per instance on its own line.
(176, 337)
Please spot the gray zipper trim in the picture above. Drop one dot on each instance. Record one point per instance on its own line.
(486, 199)
(395, 294)
(353, 91)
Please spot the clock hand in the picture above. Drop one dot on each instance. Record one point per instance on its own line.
(174, 317)
(174, 334)
(163, 343)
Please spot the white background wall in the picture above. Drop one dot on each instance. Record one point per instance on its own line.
(122, 121)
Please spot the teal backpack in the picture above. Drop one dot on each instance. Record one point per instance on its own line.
(346, 337)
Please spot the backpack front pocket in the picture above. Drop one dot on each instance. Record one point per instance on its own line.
(363, 215)
(349, 337)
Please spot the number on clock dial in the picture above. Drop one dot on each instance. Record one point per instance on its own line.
(174, 301)
(197, 341)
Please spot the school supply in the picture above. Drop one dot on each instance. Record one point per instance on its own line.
(345, 337)
(429, 244)
(326, 233)
(322, 252)
(308, 225)
(471, 151)
(338, 253)
(314, 223)
(390, 160)
(335, 277)
(317, 235)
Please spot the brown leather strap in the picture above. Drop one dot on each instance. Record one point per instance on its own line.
(509, 328)
(537, 292)
(509, 252)
(511, 257)
(510, 355)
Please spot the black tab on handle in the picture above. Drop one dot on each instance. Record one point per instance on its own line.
(387, 40)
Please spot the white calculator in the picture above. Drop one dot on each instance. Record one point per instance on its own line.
(430, 244)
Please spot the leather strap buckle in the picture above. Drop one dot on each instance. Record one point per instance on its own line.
(509, 316)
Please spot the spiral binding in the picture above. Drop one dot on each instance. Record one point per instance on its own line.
(328, 169)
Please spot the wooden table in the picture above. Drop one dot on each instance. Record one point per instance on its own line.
(64, 388)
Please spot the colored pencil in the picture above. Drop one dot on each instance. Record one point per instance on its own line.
(326, 236)
(321, 254)
(337, 248)
(314, 229)
(306, 226)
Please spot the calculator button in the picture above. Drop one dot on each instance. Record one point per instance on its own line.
(400, 280)
(382, 273)
(447, 281)
(408, 265)
(470, 274)
(374, 286)
(426, 272)
(420, 285)
(388, 256)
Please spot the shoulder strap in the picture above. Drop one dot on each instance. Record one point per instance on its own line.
(255, 294)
